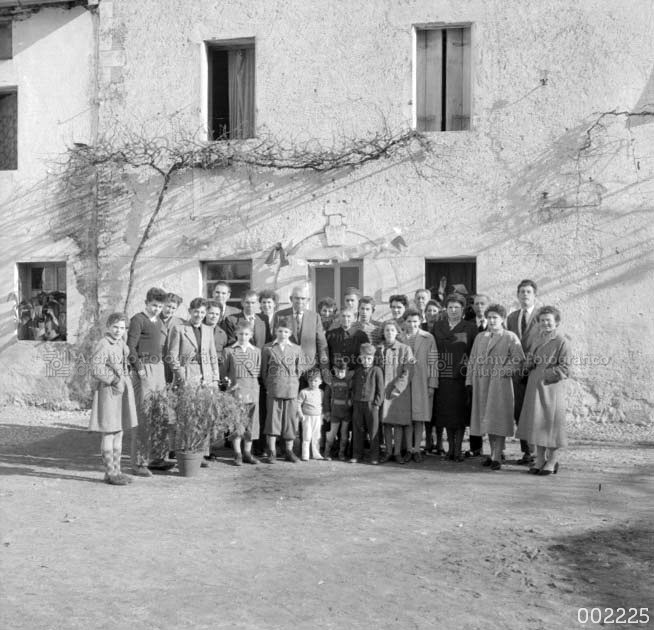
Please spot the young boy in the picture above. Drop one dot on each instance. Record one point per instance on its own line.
(146, 339)
(338, 406)
(242, 367)
(344, 340)
(310, 411)
(281, 365)
(367, 397)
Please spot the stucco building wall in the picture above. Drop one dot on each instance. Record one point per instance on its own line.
(553, 181)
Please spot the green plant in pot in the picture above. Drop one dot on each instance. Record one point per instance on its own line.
(200, 414)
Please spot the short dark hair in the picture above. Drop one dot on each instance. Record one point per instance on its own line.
(173, 297)
(212, 304)
(249, 293)
(283, 322)
(268, 294)
(412, 312)
(496, 308)
(197, 303)
(549, 310)
(223, 284)
(391, 322)
(155, 294)
(328, 302)
(243, 324)
(435, 303)
(402, 299)
(367, 299)
(455, 297)
(527, 283)
(312, 374)
(116, 317)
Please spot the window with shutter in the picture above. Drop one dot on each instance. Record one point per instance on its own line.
(442, 98)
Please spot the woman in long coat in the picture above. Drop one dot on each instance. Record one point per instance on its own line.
(542, 419)
(454, 338)
(396, 361)
(496, 355)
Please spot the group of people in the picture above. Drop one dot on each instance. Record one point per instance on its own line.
(43, 317)
(335, 383)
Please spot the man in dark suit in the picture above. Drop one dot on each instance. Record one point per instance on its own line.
(306, 331)
(478, 318)
(221, 294)
(249, 305)
(523, 323)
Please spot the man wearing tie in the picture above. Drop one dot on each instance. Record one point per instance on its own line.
(249, 304)
(306, 331)
(480, 305)
(523, 323)
(221, 293)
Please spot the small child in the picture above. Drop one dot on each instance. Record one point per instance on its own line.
(339, 409)
(367, 397)
(309, 410)
(114, 407)
(241, 367)
(280, 371)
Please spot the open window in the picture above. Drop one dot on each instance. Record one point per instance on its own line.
(231, 89)
(442, 78)
(41, 310)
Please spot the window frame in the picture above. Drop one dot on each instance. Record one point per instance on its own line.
(442, 113)
(6, 47)
(9, 91)
(23, 275)
(207, 290)
(324, 263)
(226, 45)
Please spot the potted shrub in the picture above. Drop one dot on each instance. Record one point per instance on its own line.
(198, 412)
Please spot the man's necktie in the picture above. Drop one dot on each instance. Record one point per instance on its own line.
(523, 323)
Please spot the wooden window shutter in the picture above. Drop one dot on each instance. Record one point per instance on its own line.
(457, 79)
(429, 79)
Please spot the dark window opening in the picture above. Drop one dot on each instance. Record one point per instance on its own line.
(8, 131)
(231, 89)
(6, 40)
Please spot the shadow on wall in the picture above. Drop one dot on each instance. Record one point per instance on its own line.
(590, 191)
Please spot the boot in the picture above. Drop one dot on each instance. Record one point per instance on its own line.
(117, 470)
(305, 451)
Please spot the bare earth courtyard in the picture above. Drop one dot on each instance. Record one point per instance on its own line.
(322, 545)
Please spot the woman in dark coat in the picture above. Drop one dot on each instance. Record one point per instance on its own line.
(454, 337)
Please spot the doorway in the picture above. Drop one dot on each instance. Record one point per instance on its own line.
(459, 274)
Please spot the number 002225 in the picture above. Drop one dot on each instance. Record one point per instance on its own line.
(612, 615)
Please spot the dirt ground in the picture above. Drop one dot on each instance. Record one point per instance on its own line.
(321, 544)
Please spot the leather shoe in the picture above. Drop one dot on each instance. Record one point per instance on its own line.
(248, 458)
(290, 456)
(495, 466)
(525, 460)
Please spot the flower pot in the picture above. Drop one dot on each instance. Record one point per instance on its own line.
(188, 463)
